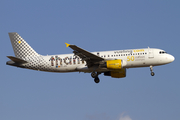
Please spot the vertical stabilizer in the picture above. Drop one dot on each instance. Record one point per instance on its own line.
(21, 48)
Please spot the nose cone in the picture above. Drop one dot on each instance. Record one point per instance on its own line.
(171, 58)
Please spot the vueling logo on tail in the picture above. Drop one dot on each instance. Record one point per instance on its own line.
(21, 48)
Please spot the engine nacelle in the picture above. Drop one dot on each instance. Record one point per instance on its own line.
(116, 74)
(114, 64)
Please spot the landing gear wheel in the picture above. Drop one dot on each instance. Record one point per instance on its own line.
(152, 73)
(94, 75)
(96, 80)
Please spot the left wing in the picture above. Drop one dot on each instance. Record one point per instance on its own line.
(85, 55)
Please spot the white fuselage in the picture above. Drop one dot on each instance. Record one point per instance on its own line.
(70, 63)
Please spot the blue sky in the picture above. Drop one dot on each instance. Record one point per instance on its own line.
(94, 25)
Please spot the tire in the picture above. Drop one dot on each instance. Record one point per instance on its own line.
(93, 75)
(96, 80)
(152, 73)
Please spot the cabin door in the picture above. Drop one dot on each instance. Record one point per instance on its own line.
(150, 53)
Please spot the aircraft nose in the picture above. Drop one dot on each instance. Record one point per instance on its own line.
(171, 58)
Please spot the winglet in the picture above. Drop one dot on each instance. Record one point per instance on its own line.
(67, 45)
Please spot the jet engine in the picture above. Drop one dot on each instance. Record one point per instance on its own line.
(116, 74)
(114, 64)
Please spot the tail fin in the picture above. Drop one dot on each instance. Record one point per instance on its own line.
(21, 48)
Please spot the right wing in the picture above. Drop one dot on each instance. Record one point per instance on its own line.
(85, 55)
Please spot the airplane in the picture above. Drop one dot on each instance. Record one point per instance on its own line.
(110, 63)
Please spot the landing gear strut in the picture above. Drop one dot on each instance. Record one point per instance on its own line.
(152, 73)
(95, 76)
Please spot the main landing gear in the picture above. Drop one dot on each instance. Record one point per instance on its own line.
(152, 73)
(96, 80)
(95, 76)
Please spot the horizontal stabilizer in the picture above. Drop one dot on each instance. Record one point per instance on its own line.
(17, 60)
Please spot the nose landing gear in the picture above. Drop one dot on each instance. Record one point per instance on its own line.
(152, 73)
(95, 76)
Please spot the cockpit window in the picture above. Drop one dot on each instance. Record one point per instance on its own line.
(162, 52)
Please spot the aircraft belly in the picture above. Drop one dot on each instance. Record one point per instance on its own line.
(133, 64)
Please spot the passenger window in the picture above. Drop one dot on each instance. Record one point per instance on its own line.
(97, 54)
